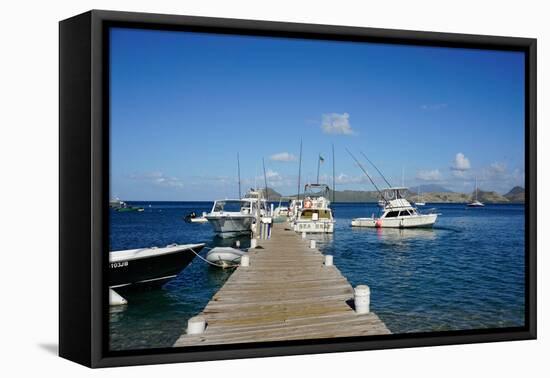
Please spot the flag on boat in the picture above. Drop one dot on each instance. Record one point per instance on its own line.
(321, 159)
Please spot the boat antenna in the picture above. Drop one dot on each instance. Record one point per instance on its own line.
(318, 167)
(299, 169)
(377, 170)
(364, 171)
(239, 173)
(265, 181)
(333, 175)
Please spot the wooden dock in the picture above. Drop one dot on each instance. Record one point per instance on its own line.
(287, 293)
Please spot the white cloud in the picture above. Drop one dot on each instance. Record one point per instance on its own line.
(283, 156)
(497, 167)
(159, 179)
(429, 175)
(461, 163)
(335, 123)
(272, 175)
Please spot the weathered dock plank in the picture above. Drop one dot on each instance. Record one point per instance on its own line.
(287, 293)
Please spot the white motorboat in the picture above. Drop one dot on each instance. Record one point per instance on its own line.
(475, 202)
(230, 218)
(149, 265)
(225, 256)
(398, 213)
(316, 215)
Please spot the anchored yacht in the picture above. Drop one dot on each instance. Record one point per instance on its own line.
(475, 202)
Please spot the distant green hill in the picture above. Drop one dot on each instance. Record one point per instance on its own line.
(517, 194)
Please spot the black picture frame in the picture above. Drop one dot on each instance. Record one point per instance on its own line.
(84, 186)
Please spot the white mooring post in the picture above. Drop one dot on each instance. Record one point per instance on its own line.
(196, 325)
(312, 244)
(362, 299)
(245, 260)
(328, 260)
(303, 235)
(253, 243)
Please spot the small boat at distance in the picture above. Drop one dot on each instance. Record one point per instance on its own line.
(193, 218)
(398, 213)
(475, 202)
(149, 265)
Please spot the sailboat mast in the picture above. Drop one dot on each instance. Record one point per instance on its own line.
(265, 181)
(333, 175)
(239, 173)
(299, 169)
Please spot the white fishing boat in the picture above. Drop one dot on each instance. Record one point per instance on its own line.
(398, 213)
(225, 256)
(230, 217)
(316, 215)
(475, 202)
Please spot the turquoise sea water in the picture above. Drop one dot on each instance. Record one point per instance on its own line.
(466, 273)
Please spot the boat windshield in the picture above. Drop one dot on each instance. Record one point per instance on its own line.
(230, 205)
(308, 214)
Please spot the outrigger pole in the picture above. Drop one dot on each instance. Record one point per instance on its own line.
(300, 170)
(265, 181)
(364, 171)
(377, 170)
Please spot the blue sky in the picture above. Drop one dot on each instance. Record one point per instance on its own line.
(183, 104)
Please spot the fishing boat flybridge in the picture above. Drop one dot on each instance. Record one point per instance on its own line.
(397, 213)
(315, 216)
(230, 218)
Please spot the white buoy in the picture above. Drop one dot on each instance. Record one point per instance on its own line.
(328, 260)
(303, 234)
(196, 325)
(312, 244)
(253, 243)
(245, 260)
(362, 299)
(115, 299)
